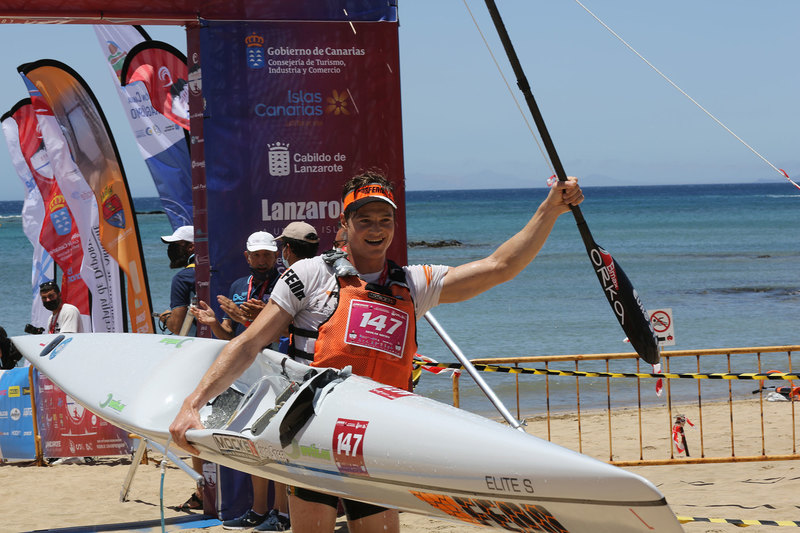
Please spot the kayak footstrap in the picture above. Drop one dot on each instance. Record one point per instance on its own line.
(301, 409)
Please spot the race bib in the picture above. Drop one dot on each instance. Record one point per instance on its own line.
(376, 326)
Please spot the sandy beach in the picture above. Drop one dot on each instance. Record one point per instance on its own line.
(84, 495)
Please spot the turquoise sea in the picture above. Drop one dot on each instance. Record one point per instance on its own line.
(723, 257)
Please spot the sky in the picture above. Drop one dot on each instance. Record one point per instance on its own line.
(613, 120)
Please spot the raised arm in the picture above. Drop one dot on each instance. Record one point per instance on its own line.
(468, 280)
(234, 359)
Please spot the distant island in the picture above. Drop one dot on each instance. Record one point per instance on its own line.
(434, 244)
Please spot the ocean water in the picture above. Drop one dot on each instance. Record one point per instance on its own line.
(723, 257)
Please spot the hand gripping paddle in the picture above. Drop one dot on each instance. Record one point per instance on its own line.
(623, 298)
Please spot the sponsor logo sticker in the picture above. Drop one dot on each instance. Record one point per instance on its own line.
(247, 451)
(177, 343)
(312, 451)
(391, 393)
(61, 346)
(111, 403)
(505, 515)
(348, 446)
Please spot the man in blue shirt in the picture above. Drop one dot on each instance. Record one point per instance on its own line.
(248, 294)
(181, 255)
(177, 318)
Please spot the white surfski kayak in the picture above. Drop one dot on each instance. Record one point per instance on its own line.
(350, 436)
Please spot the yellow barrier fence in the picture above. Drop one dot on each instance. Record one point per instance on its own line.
(712, 414)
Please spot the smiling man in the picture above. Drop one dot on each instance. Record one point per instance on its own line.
(376, 302)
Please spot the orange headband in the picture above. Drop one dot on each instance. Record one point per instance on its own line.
(368, 193)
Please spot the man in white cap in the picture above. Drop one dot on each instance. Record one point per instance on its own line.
(181, 255)
(177, 318)
(248, 295)
(299, 240)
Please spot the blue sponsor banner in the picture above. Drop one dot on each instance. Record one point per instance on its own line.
(16, 415)
(293, 110)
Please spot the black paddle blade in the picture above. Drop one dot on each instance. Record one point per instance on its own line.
(625, 303)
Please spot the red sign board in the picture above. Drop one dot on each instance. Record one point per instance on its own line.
(68, 429)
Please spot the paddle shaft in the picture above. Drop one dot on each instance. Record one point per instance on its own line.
(197, 477)
(188, 318)
(473, 372)
(524, 86)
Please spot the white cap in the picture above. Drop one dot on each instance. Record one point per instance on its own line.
(261, 240)
(184, 233)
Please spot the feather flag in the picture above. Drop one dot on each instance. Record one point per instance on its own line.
(32, 217)
(163, 71)
(98, 270)
(59, 235)
(161, 142)
(95, 158)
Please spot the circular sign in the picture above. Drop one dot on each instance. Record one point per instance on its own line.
(660, 321)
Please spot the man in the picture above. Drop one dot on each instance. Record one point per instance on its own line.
(248, 294)
(340, 240)
(368, 216)
(65, 318)
(177, 318)
(299, 241)
(180, 251)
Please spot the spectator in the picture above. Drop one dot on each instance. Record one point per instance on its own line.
(177, 318)
(248, 294)
(180, 251)
(340, 240)
(300, 241)
(65, 318)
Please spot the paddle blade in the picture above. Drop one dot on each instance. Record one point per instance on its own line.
(625, 303)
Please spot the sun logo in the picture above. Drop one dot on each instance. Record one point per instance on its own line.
(337, 103)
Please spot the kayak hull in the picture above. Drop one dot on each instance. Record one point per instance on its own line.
(349, 436)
